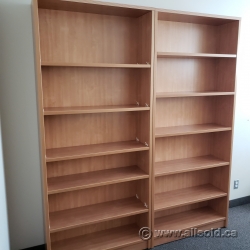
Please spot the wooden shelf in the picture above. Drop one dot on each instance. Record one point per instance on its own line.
(96, 65)
(108, 239)
(193, 55)
(190, 94)
(187, 165)
(94, 179)
(189, 129)
(187, 196)
(76, 217)
(190, 219)
(76, 152)
(91, 110)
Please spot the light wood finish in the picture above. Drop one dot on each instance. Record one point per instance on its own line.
(96, 7)
(94, 179)
(197, 40)
(76, 152)
(195, 75)
(81, 87)
(194, 110)
(198, 229)
(187, 165)
(195, 18)
(96, 65)
(91, 164)
(91, 110)
(91, 214)
(105, 41)
(193, 55)
(188, 94)
(109, 239)
(189, 129)
(192, 218)
(186, 196)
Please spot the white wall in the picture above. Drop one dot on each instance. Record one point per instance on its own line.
(19, 125)
(4, 229)
(19, 118)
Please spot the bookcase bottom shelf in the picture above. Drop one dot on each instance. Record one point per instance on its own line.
(190, 223)
(114, 238)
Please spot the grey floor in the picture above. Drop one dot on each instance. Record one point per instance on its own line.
(239, 219)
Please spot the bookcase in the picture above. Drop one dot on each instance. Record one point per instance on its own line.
(136, 110)
(95, 90)
(195, 75)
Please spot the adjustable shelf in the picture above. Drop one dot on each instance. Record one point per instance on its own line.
(114, 238)
(187, 165)
(192, 55)
(92, 110)
(181, 197)
(76, 152)
(190, 129)
(189, 219)
(76, 217)
(190, 94)
(94, 179)
(96, 65)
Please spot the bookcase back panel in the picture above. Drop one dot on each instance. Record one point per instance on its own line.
(181, 181)
(72, 87)
(181, 147)
(80, 198)
(186, 37)
(181, 209)
(67, 234)
(70, 167)
(197, 38)
(92, 38)
(175, 75)
(187, 146)
(180, 75)
(76, 130)
(194, 110)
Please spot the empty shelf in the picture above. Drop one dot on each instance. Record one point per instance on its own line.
(89, 110)
(187, 196)
(94, 179)
(187, 164)
(76, 217)
(193, 55)
(189, 129)
(76, 152)
(190, 219)
(189, 94)
(108, 239)
(96, 65)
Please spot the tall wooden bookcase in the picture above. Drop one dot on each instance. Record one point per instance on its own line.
(136, 111)
(195, 75)
(95, 87)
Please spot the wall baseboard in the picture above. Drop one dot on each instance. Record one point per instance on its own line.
(239, 202)
(41, 247)
(232, 203)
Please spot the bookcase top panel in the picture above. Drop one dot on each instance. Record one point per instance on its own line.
(95, 8)
(195, 18)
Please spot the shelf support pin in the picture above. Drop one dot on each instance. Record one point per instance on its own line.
(137, 103)
(137, 197)
(146, 144)
(145, 205)
(146, 105)
(137, 139)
